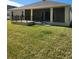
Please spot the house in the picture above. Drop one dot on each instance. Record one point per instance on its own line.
(8, 12)
(51, 12)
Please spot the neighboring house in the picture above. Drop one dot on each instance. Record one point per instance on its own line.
(9, 12)
(51, 12)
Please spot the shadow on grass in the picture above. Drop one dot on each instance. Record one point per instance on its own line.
(25, 24)
(62, 26)
(21, 23)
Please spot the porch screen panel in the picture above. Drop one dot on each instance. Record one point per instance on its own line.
(47, 15)
(27, 14)
(41, 15)
(37, 15)
(59, 14)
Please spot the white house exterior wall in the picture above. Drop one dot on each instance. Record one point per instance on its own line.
(67, 16)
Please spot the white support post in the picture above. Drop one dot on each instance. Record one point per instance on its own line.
(67, 20)
(31, 14)
(51, 15)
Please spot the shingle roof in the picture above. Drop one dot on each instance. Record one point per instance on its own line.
(42, 4)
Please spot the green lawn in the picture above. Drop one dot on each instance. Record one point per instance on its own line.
(39, 42)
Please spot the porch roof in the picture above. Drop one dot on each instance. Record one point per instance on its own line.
(41, 4)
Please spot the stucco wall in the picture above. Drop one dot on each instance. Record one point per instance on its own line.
(67, 16)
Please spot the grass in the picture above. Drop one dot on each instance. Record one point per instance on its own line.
(39, 42)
